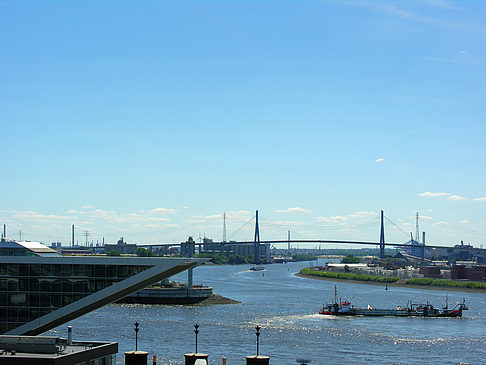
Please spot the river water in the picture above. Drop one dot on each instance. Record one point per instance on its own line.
(285, 307)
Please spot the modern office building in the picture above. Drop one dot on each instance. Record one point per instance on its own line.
(40, 289)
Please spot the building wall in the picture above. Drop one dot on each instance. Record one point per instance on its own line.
(29, 291)
(474, 273)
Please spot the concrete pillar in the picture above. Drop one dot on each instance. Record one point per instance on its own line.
(191, 358)
(189, 278)
(257, 360)
(136, 358)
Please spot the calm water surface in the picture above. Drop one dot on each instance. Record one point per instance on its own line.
(286, 307)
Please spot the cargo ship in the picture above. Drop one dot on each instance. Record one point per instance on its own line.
(344, 308)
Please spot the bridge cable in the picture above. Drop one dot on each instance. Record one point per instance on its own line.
(233, 234)
(389, 220)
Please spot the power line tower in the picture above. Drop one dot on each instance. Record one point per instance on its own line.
(86, 234)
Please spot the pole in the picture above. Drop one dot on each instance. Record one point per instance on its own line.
(72, 242)
(258, 338)
(196, 331)
(136, 336)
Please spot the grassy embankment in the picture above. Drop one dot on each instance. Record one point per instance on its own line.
(446, 283)
(350, 276)
(390, 279)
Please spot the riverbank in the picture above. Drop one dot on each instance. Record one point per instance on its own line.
(395, 284)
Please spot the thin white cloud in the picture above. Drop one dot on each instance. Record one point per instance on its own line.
(344, 218)
(456, 197)
(361, 214)
(158, 219)
(429, 194)
(32, 216)
(171, 225)
(88, 207)
(437, 21)
(439, 223)
(163, 210)
(232, 215)
(482, 199)
(72, 211)
(462, 57)
(151, 225)
(464, 221)
(443, 5)
(380, 160)
(293, 210)
(335, 219)
(288, 223)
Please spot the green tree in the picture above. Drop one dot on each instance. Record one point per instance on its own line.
(144, 252)
(236, 259)
(350, 259)
(112, 253)
(304, 257)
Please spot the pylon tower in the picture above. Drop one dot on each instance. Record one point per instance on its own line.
(382, 238)
(256, 242)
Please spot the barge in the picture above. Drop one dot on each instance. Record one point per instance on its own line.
(344, 308)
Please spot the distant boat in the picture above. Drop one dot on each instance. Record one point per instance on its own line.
(344, 308)
(257, 268)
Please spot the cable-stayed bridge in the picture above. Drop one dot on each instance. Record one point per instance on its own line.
(412, 243)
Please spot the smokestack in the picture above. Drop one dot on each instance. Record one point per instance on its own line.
(70, 336)
(423, 238)
(72, 242)
(4, 231)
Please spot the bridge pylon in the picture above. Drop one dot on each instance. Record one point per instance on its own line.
(382, 238)
(256, 241)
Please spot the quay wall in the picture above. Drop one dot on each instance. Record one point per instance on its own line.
(184, 295)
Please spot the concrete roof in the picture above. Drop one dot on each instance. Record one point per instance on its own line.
(37, 247)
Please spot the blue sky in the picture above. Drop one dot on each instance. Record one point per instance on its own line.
(150, 119)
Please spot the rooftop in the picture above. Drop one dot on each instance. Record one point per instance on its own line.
(24, 248)
(29, 349)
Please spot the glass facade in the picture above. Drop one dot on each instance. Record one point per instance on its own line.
(29, 290)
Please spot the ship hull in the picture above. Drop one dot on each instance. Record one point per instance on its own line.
(393, 313)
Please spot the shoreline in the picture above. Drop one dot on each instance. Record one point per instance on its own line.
(396, 284)
(215, 299)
